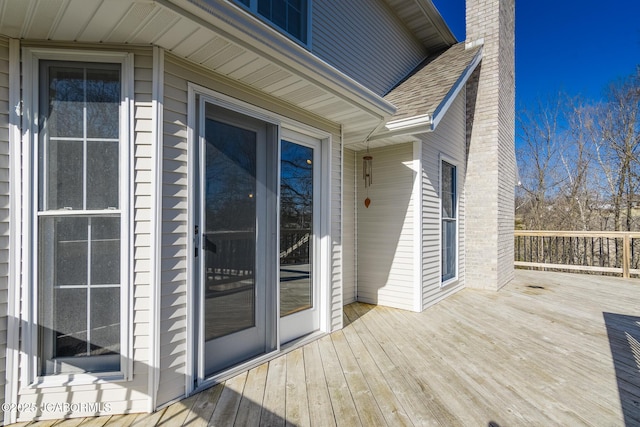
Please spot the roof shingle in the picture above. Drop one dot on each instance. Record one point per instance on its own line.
(422, 92)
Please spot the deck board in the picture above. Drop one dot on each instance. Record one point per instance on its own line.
(297, 403)
(548, 349)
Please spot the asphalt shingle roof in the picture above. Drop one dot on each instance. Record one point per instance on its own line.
(428, 85)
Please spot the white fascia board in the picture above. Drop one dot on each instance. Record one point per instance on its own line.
(409, 126)
(442, 109)
(247, 31)
(410, 122)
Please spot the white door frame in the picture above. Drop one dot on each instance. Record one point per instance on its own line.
(324, 276)
(299, 324)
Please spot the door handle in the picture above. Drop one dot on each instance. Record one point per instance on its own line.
(196, 230)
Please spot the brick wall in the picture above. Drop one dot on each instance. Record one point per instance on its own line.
(490, 182)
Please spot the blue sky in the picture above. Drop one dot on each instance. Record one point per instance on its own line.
(575, 46)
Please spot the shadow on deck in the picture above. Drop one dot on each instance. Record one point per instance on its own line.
(547, 349)
(624, 340)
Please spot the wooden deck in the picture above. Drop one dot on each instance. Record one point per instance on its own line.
(548, 349)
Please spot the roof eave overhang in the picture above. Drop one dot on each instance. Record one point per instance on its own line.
(443, 107)
(428, 122)
(408, 126)
(247, 31)
(435, 18)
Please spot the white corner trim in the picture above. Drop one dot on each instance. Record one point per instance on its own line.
(191, 352)
(127, 209)
(157, 100)
(326, 241)
(25, 313)
(15, 231)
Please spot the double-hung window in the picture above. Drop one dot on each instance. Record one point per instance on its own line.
(80, 217)
(449, 219)
(291, 16)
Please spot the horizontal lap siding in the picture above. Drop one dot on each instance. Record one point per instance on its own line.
(366, 32)
(385, 263)
(142, 214)
(175, 196)
(448, 139)
(4, 205)
(335, 239)
(122, 396)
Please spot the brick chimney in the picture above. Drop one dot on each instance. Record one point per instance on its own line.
(491, 170)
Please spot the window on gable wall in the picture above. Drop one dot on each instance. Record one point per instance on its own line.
(290, 16)
(449, 217)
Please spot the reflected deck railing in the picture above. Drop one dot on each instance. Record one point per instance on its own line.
(606, 252)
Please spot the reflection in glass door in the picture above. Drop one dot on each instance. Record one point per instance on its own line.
(296, 228)
(257, 204)
(229, 235)
(233, 200)
(299, 169)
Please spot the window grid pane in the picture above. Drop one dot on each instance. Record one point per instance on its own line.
(79, 144)
(449, 221)
(288, 15)
(79, 252)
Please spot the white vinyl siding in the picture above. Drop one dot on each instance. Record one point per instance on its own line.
(386, 263)
(334, 240)
(446, 142)
(366, 32)
(129, 395)
(349, 228)
(4, 206)
(143, 188)
(174, 257)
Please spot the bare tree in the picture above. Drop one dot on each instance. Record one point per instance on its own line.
(579, 162)
(615, 131)
(540, 134)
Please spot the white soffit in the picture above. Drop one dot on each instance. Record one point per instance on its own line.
(224, 39)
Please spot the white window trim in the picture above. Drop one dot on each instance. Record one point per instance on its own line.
(31, 84)
(253, 9)
(325, 243)
(456, 164)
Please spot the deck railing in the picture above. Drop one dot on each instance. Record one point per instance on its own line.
(593, 252)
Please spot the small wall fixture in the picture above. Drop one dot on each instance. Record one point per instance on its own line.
(367, 170)
(367, 175)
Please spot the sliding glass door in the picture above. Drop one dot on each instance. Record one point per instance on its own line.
(256, 237)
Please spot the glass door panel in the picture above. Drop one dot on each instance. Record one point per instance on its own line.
(233, 238)
(229, 236)
(296, 228)
(299, 230)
